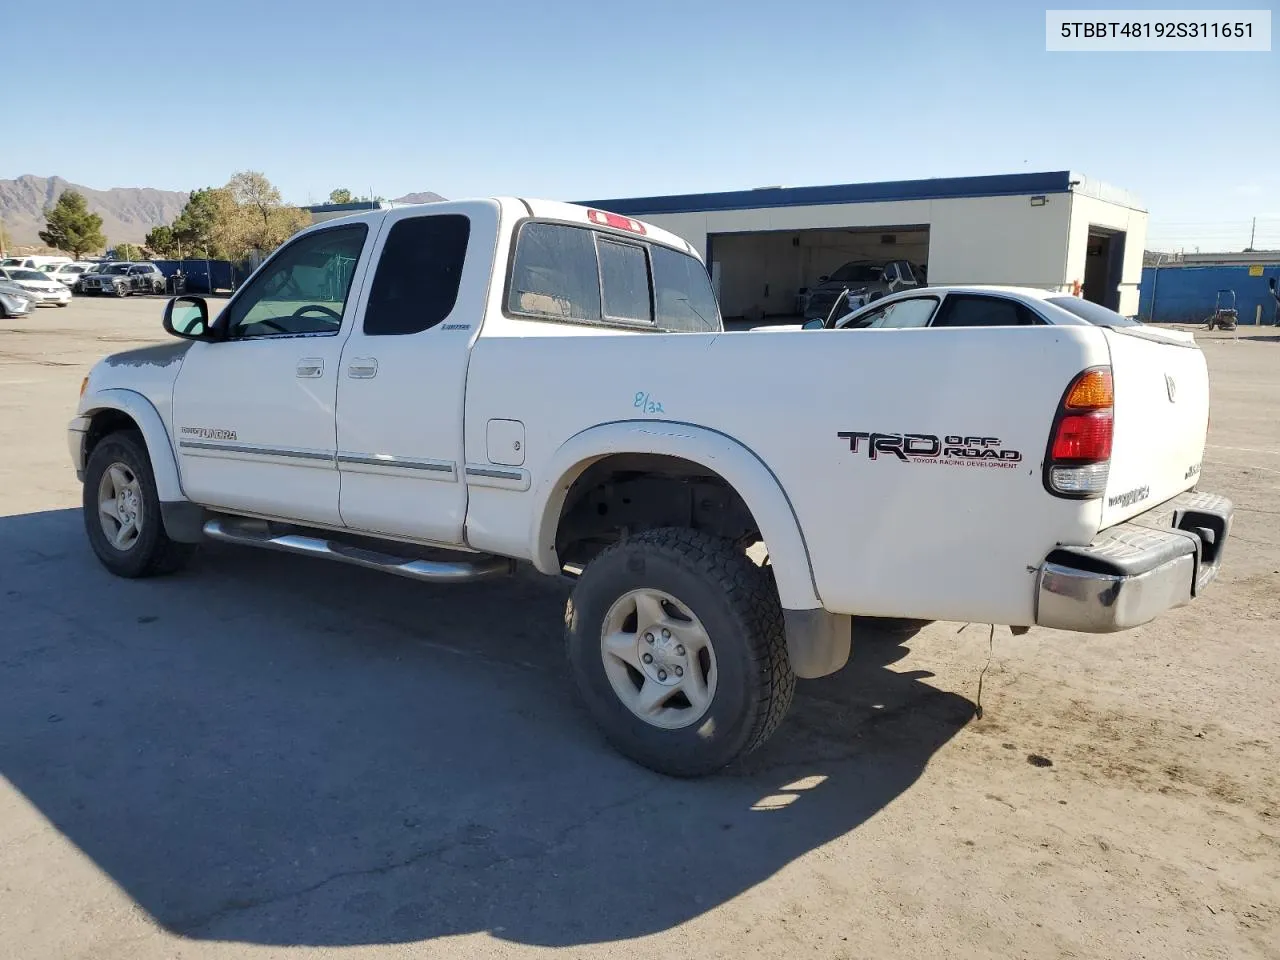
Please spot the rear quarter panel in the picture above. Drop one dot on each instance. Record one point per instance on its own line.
(942, 537)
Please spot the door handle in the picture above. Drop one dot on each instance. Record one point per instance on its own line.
(311, 367)
(362, 368)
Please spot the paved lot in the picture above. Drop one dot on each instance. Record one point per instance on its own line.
(273, 756)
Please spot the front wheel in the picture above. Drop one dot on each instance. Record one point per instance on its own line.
(121, 290)
(676, 645)
(122, 511)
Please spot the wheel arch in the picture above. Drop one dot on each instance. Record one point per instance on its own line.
(720, 455)
(106, 408)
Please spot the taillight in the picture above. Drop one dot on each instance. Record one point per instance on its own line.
(1079, 454)
(616, 221)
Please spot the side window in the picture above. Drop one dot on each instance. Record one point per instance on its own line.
(969, 310)
(419, 272)
(555, 273)
(904, 270)
(899, 315)
(624, 281)
(302, 289)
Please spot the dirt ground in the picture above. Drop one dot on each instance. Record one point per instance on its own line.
(274, 756)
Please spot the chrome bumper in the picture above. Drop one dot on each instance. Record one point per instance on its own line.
(76, 431)
(1135, 571)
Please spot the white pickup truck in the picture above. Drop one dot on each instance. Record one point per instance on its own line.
(443, 391)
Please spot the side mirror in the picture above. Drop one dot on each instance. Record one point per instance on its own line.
(814, 325)
(188, 318)
(824, 278)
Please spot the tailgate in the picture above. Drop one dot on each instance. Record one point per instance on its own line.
(1161, 419)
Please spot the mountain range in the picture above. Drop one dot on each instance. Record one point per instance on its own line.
(128, 213)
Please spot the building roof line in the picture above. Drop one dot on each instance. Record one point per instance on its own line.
(939, 188)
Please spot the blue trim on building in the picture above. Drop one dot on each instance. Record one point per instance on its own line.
(941, 188)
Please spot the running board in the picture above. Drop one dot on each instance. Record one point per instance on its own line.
(475, 567)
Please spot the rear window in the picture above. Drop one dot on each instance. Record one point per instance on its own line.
(624, 281)
(1092, 312)
(682, 293)
(565, 272)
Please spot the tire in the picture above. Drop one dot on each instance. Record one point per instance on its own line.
(157, 288)
(742, 678)
(149, 552)
(67, 304)
(121, 290)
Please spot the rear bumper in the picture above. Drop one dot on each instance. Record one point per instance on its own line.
(1135, 571)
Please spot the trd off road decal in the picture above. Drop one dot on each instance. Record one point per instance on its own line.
(209, 433)
(948, 451)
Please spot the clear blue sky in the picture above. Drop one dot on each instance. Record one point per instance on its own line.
(596, 98)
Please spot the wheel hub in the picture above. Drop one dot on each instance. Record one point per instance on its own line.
(658, 658)
(663, 658)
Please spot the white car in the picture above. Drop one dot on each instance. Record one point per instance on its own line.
(42, 288)
(977, 305)
(443, 391)
(69, 273)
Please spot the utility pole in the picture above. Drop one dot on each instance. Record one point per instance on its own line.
(1253, 231)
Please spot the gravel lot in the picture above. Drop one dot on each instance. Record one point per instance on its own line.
(274, 756)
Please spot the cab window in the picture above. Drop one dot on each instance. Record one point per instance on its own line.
(303, 289)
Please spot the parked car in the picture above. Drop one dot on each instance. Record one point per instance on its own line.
(69, 273)
(976, 306)
(123, 278)
(865, 281)
(14, 301)
(33, 262)
(440, 425)
(38, 285)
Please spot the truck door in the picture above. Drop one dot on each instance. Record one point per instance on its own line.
(403, 373)
(253, 414)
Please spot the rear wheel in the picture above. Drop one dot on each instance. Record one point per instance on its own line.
(122, 511)
(676, 645)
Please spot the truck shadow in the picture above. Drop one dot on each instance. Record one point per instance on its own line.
(281, 751)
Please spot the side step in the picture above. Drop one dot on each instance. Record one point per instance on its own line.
(462, 570)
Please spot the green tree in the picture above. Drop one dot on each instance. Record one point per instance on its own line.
(341, 195)
(199, 222)
(71, 227)
(162, 242)
(128, 251)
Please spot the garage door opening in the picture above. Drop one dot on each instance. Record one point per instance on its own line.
(1104, 267)
(770, 274)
